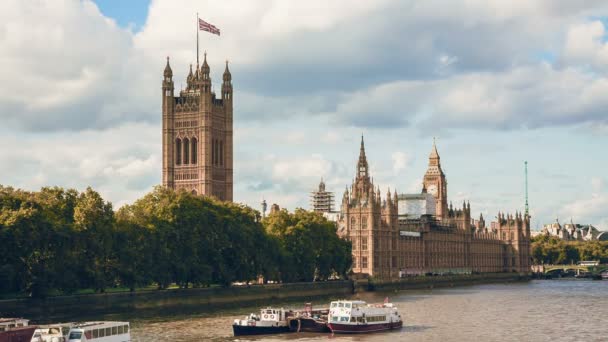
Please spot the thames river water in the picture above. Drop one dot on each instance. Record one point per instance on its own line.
(540, 310)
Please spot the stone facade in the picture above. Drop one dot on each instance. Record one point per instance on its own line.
(387, 245)
(197, 134)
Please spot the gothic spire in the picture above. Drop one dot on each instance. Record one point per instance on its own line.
(168, 72)
(362, 164)
(227, 75)
(205, 67)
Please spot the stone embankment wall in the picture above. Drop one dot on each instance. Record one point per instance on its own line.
(179, 301)
(415, 283)
(182, 302)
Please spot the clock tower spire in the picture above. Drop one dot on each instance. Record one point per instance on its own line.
(435, 183)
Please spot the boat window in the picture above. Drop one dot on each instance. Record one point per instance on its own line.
(344, 319)
(102, 332)
(360, 319)
(334, 304)
(95, 333)
(340, 305)
(108, 331)
(126, 329)
(75, 335)
(269, 311)
(353, 319)
(120, 330)
(334, 318)
(347, 305)
(114, 330)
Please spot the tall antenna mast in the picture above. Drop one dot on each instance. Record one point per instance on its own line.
(526, 172)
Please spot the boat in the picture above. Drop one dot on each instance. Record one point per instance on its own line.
(16, 330)
(309, 320)
(52, 333)
(269, 321)
(356, 316)
(604, 275)
(100, 332)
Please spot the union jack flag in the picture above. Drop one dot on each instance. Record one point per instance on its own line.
(205, 26)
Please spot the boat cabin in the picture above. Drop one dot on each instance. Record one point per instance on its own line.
(100, 332)
(7, 324)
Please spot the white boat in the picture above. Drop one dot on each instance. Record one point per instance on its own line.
(52, 333)
(269, 321)
(100, 332)
(356, 316)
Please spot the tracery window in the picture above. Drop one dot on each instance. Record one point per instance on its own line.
(186, 151)
(178, 151)
(194, 150)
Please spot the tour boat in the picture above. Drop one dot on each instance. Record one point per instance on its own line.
(100, 332)
(16, 330)
(52, 333)
(269, 321)
(356, 316)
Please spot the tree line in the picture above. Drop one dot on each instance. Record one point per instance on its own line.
(552, 250)
(58, 241)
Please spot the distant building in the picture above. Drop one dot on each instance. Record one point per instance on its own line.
(574, 232)
(322, 201)
(423, 235)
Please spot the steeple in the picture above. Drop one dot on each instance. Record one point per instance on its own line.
(362, 166)
(205, 68)
(168, 72)
(434, 154)
(227, 75)
(227, 86)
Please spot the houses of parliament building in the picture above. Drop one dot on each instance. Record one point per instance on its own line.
(389, 242)
(197, 134)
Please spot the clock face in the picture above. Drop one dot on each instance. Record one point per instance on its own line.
(432, 189)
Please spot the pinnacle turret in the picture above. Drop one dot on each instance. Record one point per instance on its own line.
(168, 72)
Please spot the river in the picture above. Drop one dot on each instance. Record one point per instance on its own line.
(540, 310)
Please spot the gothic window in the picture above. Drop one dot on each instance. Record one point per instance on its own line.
(221, 153)
(178, 151)
(353, 222)
(194, 150)
(213, 152)
(194, 192)
(363, 222)
(363, 262)
(363, 243)
(186, 151)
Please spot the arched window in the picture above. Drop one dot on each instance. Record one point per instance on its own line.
(217, 153)
(178, 151)
(194, 192)
(221, 153)
(186, 151)
(194, 150)
(212, 152)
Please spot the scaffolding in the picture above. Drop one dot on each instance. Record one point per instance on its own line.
(322, 201)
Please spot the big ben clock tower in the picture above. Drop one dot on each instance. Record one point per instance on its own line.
(435, 184)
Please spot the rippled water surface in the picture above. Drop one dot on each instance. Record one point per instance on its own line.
(543, 310)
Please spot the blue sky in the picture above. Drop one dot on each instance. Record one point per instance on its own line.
(497, 82)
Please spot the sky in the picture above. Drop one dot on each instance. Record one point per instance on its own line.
(496, 82)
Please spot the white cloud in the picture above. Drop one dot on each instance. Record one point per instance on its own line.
(400, 161)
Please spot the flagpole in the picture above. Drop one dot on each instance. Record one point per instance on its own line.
(197, 28)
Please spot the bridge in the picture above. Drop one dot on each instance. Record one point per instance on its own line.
(548, 269)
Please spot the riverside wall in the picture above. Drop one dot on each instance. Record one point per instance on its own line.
(183, 301)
